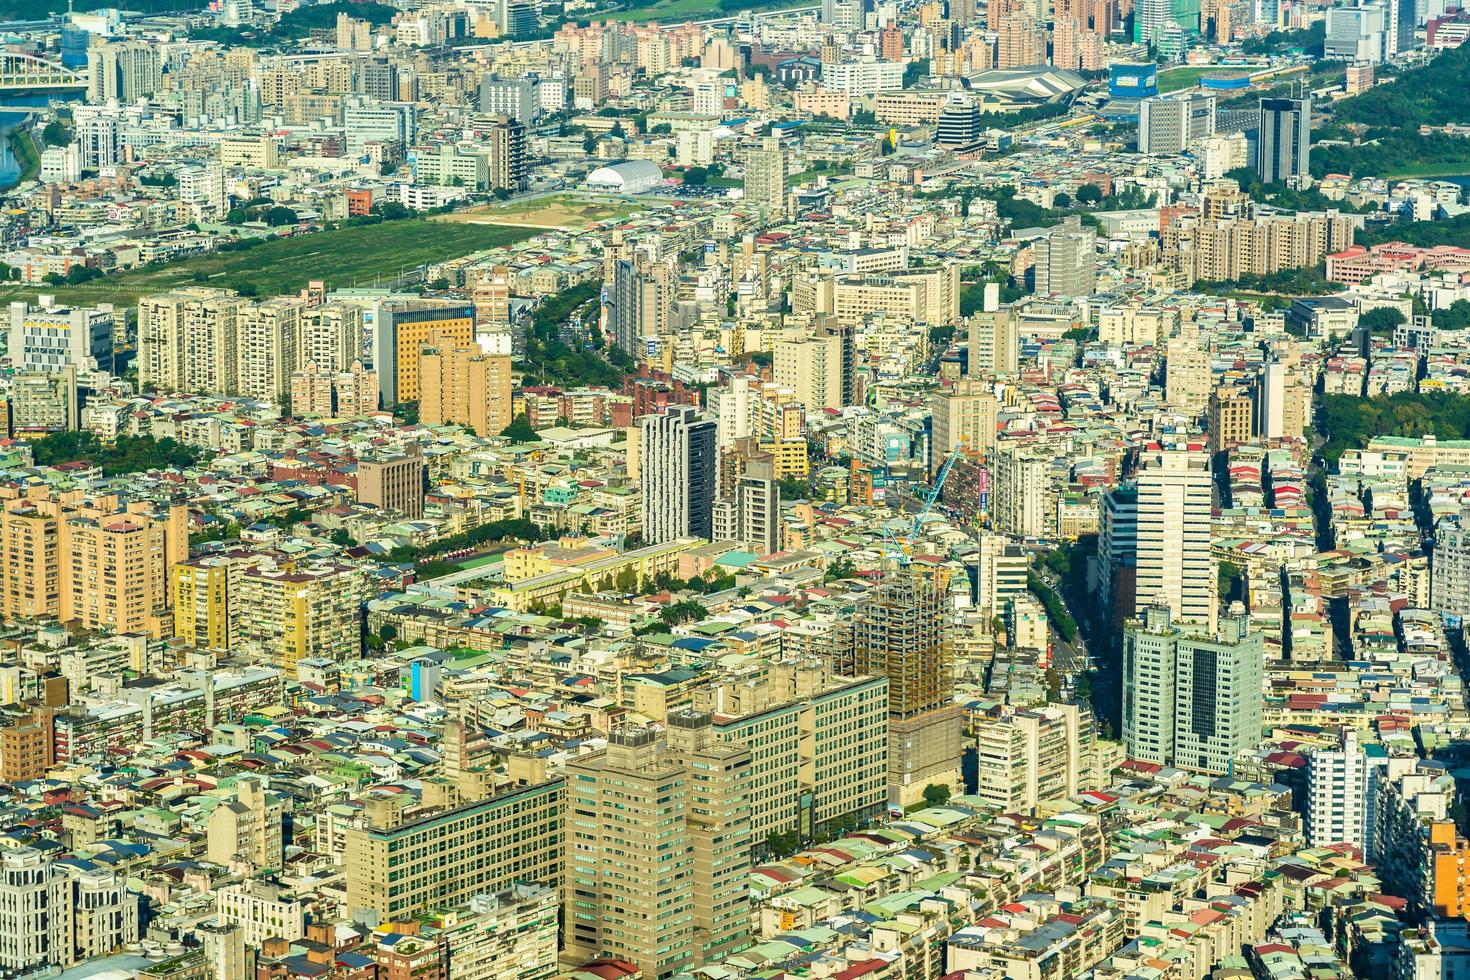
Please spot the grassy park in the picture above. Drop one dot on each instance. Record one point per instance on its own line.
(343, 257)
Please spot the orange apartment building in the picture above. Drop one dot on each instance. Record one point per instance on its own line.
(89, 561)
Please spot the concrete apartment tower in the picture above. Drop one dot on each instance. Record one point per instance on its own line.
(669, 900)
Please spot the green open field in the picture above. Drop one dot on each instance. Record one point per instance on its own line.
(343, 258)
(1427, 170)
(682, 10)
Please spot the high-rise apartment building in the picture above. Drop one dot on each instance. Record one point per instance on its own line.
(672, 899)
(92, 562)
(1230, 418)
(1169, 123)
(898, 634)
(507, 167)
(751, 514)
(314, 611)
(55, 915)
(262, 910)
(1174, 564)
(1021, 41)
(1449, 584)
(1342, 793)
(28, 746)
(1020, 492)
(245, 833)
(964, 415)
(207, 600)
(1188, 379)
(1027, 758)
(42, 402)
(505, 935)
(467, 386)
(48, 339)
(1191, 700)
(402, 328)
(812, 367)
(677, 472)
(1284, 144)
(117, 575)
(186, 340)
(995, 337)
(331, 337)
(122, 71)
(198, 336)
(399, 865)
(641, 302)
(346, 394)
(1066, 260)
(765, 176)
(268, 337)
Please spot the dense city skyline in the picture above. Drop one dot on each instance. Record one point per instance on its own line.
(632, 490)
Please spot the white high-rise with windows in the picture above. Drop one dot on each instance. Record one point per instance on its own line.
(1175, 566)
(1342, 792)
(1019, 492)
(53, 915)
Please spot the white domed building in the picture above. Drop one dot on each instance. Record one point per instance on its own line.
(628, 177)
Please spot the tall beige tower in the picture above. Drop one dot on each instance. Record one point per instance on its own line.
(965, 414)
(1175, 567)
(668, 899)
(765, 176)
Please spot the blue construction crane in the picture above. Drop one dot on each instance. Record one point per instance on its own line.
(899, 550)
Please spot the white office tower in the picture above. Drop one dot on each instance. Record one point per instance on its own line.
(1271, 405)
(1191, 700)
(1066, 260)
(1169, 123)
(1342, 792)
(1175, 567)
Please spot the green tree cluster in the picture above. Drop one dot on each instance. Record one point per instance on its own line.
(1278, 195)
(1389, 117)
(1310, 40)
(1349, 421)
(551, 360)
(299, 23)
(1425, 234)
(520, 429)
(128, 454)
(517, 529)
(1311, 281)
(1381, 322)
(1061, 620)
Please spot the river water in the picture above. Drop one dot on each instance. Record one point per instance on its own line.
(13, 112)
